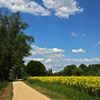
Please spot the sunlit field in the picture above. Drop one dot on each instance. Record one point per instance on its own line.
(90, 85)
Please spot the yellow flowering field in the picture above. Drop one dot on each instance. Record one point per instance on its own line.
(89, 84)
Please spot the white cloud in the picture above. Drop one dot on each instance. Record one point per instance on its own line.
(24, 6)
(48, 61)
(61, 8)
(93, 45)
(83, 35)
(55, 55)
(73, 34)
(58, 64)
(55, 58)
(85, 61)
(96, 44)
(46, 51)
(77, 51)
(57, 50)
(32, 58)
(48, 56)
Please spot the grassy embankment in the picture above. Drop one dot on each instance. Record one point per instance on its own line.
(60, 92)
(6, 91)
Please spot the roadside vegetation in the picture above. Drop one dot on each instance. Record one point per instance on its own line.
(6, 91)
(57, 91)
(3, 85)
(90, 85)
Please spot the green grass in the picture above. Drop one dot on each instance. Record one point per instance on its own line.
(60, 92)
(9, 90)
(2, 86)
(6, 91)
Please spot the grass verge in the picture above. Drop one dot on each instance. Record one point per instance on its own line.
(6, 91)
(60, 92)
(3, 85)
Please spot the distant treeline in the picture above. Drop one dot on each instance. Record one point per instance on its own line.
(36, 68)
(82, 70)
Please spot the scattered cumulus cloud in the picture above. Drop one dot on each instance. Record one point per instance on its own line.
(84, 60)
(55, 58)
(74, 34)
(93, 45)
(63, 8)
(83, 35)
(32, 58)
(78, 51)
(46, 51)
(27, 6)
(60, 8)
(96, 44)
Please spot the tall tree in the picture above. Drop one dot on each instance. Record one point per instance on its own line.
(14, 43)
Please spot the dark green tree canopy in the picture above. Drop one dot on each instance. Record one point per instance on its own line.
(69, 70)
(35, 68)
(83, 67)
(49, 72)
(14, 43)
(82, 70)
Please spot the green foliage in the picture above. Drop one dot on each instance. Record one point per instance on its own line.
(49, 72)
(2, 86)
(82, 70)
(17, 72)
(6, 91)
(35, 68)
(14, 43)
(68, 93)
(71, 70)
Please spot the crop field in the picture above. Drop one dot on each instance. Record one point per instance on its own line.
(89, 84)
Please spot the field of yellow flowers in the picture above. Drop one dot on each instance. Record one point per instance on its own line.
(89, 84)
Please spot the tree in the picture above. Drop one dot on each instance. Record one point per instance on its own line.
(78, 71)
(70, 70)
(94, 69)
(14, 43)
(49, 72)
(83, 67)
(35, 68)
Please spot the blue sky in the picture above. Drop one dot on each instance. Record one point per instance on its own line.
(65, 31)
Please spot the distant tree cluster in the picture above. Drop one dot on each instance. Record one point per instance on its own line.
(82, 70)
(35, 68)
